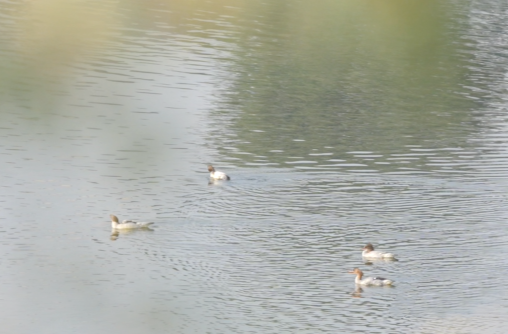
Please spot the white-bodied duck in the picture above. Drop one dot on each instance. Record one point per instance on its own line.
(375, 281)
(127, 224)
(370, 253)
(216, 175)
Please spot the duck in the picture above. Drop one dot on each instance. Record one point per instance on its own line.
(127, 224)
(376, 281)
(216, 175)
(370, 253)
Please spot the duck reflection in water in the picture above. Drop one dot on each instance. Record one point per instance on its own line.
(357, 293)
(371, 262)
(115, 234)
(213, 182)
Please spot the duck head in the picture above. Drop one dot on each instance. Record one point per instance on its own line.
(368, 248)
(357, 272)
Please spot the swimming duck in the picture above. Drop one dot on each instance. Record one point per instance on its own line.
(376, 281)
(127, 224)
(370, 253)
(216, 175)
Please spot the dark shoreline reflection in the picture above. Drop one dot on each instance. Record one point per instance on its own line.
(366, 97)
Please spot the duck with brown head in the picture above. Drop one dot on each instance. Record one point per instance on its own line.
(127, 224)
(374, 281)
(370, 253)
(216, 175)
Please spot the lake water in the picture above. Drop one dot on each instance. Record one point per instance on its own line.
(339, 122)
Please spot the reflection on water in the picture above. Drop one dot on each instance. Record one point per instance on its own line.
(370, 262)
(115, 234)
(341, 123)
(357, 293)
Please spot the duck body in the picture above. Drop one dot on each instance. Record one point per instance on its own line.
(127, 224)
(216, 175)
(370, 253)
(370, 281)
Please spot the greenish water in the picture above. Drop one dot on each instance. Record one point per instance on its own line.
(339, 122)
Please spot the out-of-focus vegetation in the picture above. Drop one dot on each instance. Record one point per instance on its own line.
(49, 35)
(43, 39)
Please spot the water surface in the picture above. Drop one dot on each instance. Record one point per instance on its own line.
(339, 123)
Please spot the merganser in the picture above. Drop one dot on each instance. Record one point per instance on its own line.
(216, 175)
(376, 281)
(370, 253)
(127, 224)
